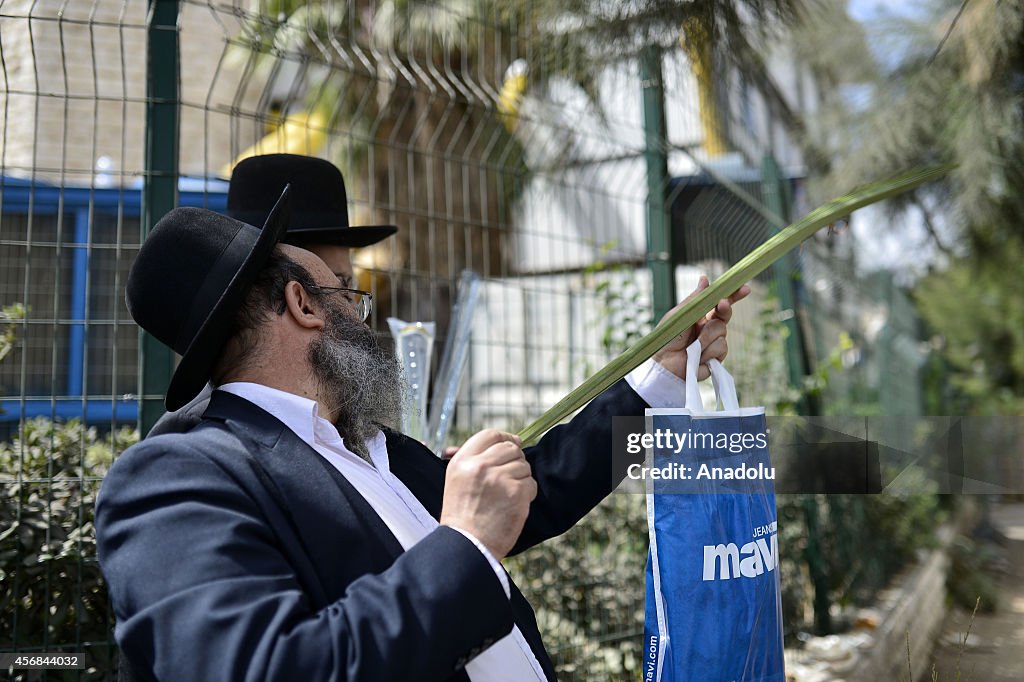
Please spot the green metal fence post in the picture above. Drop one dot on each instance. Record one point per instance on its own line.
(160, 188)
(659, 235)
(776, 199)
(816, 565)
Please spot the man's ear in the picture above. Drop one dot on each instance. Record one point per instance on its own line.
(300, 306)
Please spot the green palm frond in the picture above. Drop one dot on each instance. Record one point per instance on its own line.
(746, 269)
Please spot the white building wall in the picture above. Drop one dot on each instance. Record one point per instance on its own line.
(67, 108)
(536, 338)
(597, 207)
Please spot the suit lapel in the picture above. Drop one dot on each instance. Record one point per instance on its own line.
(341, 533)
(418, 468)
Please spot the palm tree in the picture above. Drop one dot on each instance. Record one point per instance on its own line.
(945, 87)
(412, 96)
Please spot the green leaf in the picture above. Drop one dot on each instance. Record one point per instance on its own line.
(746, 269)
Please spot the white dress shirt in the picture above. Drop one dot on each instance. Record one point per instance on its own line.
(510, 659)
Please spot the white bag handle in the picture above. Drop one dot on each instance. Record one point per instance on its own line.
(725, 387)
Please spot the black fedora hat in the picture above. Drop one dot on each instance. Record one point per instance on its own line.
(319, 201)
(190, 279)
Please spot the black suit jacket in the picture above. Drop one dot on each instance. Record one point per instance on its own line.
(236, 552)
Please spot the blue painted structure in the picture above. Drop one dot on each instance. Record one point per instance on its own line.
(19, 197)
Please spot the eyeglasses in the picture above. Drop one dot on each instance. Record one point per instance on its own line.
(361, 301)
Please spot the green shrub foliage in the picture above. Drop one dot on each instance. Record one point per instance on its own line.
(52, 596)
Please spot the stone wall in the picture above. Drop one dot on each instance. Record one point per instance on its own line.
(913, 608)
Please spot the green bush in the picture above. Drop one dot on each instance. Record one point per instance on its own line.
(52, 596)
(587, 588)
(861, 542)
(969, 584)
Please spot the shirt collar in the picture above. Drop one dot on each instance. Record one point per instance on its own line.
(300, 415)
(295, 411)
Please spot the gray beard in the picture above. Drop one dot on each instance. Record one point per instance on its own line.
(357, 377)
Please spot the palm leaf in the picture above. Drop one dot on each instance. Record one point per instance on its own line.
(746, 269)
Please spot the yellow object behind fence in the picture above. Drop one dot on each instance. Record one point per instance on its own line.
(302, 133)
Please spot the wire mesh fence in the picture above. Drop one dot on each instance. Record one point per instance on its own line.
(500, 138)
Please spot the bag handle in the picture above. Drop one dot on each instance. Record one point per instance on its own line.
(725, 386)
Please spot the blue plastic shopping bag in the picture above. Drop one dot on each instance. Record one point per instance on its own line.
(713, 610)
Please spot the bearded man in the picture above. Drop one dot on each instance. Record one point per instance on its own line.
(291, 535)
(319, 223)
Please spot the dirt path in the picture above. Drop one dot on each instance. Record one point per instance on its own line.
(995, 649)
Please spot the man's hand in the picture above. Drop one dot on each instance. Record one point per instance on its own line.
(710, 329)
(488, 489)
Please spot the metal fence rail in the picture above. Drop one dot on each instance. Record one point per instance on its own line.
(494, 141)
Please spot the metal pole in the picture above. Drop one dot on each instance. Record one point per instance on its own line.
(776, 199)
(816, 565)
(659, 235)
(160, 184)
